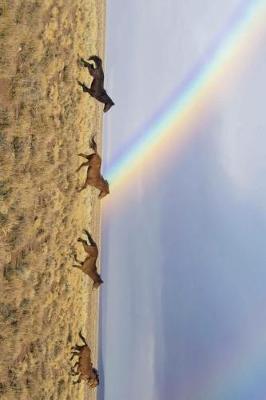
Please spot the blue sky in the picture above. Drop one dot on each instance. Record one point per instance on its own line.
(183, 259)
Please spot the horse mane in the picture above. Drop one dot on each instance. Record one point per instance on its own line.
(93, 144)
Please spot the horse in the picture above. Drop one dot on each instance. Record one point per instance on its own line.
(94, 177)
(85, 369)
(88, 266)
(97, 87)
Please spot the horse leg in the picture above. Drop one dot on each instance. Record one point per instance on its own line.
(85, 63)
(73, 372)
(85, 88)
(88, 90)
(77, 348)
(78, 381)
(74, 351)
(84, 155)
(83, 241)
(85, 245)
(73, 355)
(85, 164)
(76, 259)
(77, 266)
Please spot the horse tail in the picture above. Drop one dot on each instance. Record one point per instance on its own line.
(97, 60)
(92, 242)
(93, 144)
(82, 338)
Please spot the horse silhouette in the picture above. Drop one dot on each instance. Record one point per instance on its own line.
(88, 266)
(94, 177)
(97, 87)
(85, 369)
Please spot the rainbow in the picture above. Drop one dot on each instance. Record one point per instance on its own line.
(169, 129)
(185, 107)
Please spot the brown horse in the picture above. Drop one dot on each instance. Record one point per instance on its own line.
(94, 177)
(88, 266)
(97, 87)
(84, 365)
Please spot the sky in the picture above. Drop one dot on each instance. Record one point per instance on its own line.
(183, 251)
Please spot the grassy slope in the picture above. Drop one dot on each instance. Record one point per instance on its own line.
(45, 120)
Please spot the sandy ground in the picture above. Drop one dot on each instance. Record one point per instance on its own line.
(45, 120)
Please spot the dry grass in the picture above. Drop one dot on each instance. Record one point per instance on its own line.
(45, 120)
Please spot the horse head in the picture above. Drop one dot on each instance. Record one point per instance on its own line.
(108, 105)
(93, 380)
(97, 283)
(104, 189)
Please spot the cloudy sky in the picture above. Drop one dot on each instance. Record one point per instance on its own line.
(183, 250)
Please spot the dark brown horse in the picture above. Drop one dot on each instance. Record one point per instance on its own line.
(97, 87)
(88, 266)
(84, 365)
(94, 177)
